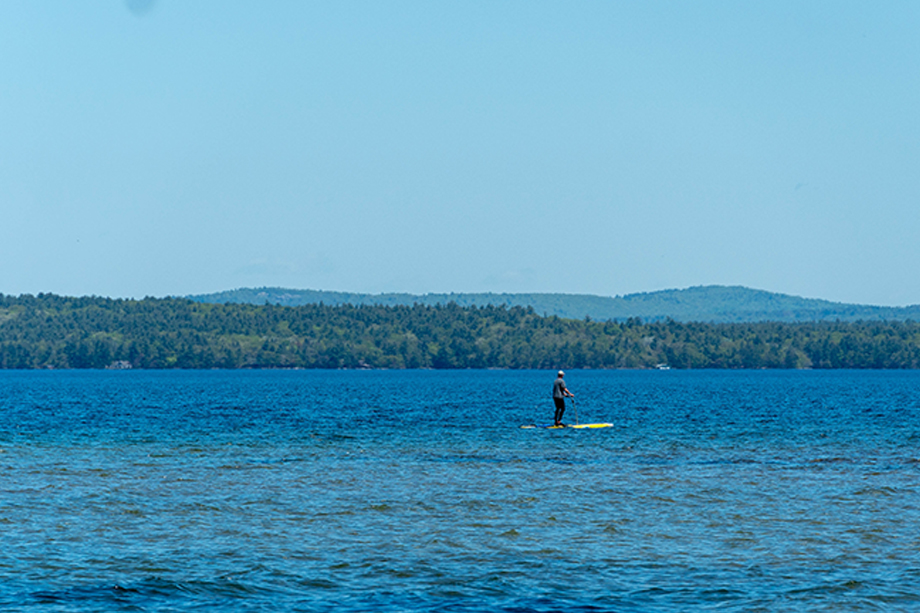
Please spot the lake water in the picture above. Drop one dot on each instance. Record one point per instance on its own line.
(417, 491)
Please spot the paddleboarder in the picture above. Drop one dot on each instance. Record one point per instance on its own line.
(560, 392)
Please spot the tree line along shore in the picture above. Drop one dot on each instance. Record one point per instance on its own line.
(50, 331)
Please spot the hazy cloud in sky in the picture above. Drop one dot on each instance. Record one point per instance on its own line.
(595, 147)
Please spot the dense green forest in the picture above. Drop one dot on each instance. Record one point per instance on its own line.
(49, 331)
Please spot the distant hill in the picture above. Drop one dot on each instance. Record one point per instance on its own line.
(712, 303)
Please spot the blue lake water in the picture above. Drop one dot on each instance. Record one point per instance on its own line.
(417, 491)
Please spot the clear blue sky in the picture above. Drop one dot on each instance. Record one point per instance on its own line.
(173, 147)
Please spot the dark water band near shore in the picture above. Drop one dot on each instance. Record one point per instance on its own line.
(418, 491)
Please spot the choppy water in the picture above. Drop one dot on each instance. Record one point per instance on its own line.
(417, 491)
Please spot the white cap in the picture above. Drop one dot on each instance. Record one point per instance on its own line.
(561, 374)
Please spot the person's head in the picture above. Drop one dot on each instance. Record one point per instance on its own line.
(560, 374)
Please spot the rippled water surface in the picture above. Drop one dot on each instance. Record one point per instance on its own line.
(417, 491)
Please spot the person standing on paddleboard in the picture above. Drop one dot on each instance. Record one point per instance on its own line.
(560, 392)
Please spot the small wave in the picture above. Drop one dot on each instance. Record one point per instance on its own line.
(877, 491)
(146, 593)
(831, 460)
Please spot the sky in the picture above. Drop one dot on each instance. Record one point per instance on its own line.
(162, 147)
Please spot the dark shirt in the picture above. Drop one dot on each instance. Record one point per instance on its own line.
(559, 388)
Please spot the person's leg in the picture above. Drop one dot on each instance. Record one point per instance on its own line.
(560, 410)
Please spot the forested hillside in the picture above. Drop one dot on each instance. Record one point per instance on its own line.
(48, 331)
(713, 303)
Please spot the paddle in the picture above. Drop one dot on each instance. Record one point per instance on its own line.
(574, 408)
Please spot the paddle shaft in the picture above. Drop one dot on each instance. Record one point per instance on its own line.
(574, 408)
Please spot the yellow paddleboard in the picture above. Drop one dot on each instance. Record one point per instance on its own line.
(576, 426)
